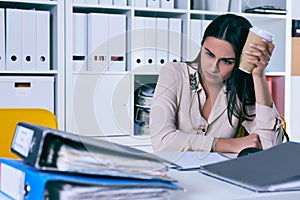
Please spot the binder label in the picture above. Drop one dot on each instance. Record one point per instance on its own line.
(11, 181)
(22, 142)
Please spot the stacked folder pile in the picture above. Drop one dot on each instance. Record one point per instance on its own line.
(61, 165)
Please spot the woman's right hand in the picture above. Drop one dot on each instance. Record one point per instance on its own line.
(235, 145)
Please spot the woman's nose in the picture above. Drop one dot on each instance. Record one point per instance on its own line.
(215, 65)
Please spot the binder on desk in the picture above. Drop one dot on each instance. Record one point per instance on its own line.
(174, 40)
(13, 39)
(43, 40)
(161, 42)
(274, 169)
(29, 40)
(138, 40)
(98, 42)
(55, 150)
(79, 41)
(2, 40)
(150, 43)
(21, 181)
(117, 42)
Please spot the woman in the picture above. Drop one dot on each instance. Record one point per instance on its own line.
(200, 105)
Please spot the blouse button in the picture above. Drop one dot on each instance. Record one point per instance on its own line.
(203, 130)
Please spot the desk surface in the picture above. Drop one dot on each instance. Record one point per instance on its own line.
(199, 186)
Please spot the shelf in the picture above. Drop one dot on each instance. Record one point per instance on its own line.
(27, 4)
(50, 72)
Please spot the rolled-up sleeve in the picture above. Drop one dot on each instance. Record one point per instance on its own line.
(267, 124)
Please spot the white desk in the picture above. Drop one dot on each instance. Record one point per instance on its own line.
(199, 186)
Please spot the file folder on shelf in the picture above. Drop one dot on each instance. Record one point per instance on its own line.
(54, 150)
(205, 23)
(153, 3)
(167, 4)
(150, 43)
(2, 40)
(13, 39)
(79, 41)
(174, 40)
(117, 42)
(43, 40)
(21, 181)
(120, 2)
(29, 39)
(79, 1)
(91, 1)
(195, 38)
(98, 45)
(138, 40)
(106, 2)
(161, 42)
(140, 3)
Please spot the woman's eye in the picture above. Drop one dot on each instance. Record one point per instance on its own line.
(228, 62)
(209, 54)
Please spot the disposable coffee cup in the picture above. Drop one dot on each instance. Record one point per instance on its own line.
(255, 36)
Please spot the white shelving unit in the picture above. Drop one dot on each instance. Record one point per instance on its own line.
(56, 49)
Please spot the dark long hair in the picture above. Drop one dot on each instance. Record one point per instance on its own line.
(239, 86)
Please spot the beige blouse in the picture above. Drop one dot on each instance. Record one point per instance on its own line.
(176, 123)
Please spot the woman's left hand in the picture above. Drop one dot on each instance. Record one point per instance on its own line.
(263, 55)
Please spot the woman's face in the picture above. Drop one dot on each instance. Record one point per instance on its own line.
(217, 60)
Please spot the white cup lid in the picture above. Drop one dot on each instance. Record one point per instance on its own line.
(264, 34)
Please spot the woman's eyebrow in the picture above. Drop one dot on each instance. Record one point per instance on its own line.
(226, 59)
(208, 50)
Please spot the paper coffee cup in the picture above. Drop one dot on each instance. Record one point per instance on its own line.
(255, 36)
